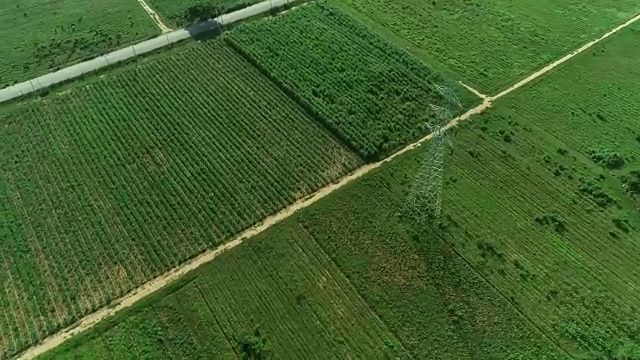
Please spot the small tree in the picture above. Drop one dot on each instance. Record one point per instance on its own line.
(254, 346)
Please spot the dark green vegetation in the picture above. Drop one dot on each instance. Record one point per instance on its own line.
(112, 183)
(492, 43)
(371, 94)
(277, 294)
(185, 12)
(39, 35)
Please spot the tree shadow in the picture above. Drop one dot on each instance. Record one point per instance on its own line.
(205, 30)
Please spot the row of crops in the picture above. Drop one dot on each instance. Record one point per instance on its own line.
(110, 184)
(280, 289)
(371, 94)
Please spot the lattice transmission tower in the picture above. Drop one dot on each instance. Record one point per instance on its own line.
(425, 199)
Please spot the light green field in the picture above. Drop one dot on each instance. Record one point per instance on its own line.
(116, 181)
(544, 199)
(38, 35)
(491, 44)
(280, 281)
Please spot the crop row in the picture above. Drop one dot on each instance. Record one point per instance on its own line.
(371, 94)
(113, 183)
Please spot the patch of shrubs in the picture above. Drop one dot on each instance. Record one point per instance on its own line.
(595, 192)
(609, 159)
(553, 220)
(631, 183)
(197, 13)
(622, 224)
(487, 248)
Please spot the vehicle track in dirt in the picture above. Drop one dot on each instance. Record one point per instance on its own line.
(154, 16)
(158, 283)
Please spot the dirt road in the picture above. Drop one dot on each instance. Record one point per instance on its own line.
(474, 91)
(154, 16)
(158, 283)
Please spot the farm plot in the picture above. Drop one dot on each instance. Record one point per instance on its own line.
(544, 199)
(39, 35)
(280, 283)
(113, 183)
(429, 297)
(371, 94)
(491, 44)
(185, 12)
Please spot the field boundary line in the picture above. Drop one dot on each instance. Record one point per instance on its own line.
(215, 318)
(159, 282)
(154, 16)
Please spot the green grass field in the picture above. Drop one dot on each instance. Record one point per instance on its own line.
(112, 183)
(280, 281)
(38, 36)
(544, 194)
(185, 12)
(371, 94)
(491, 44)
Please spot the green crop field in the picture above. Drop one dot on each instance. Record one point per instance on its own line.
(490, 44)
(109, 184)
(280, 282)
(185, 12)
(535, 258)
(430, 298)
(39, 35)
(544, 199)
(368, 92)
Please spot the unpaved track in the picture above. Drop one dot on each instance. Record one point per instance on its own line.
(154, 16)
(156, 284)
(474, 91)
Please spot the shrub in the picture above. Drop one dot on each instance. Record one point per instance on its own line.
(607, 158)
(254, 346)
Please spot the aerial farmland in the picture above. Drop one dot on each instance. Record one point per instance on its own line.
(322, 180)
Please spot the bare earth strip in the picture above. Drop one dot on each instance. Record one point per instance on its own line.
(154, 16)
(474, 91)
(150, 287)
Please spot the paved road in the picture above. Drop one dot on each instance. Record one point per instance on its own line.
(74, 71)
